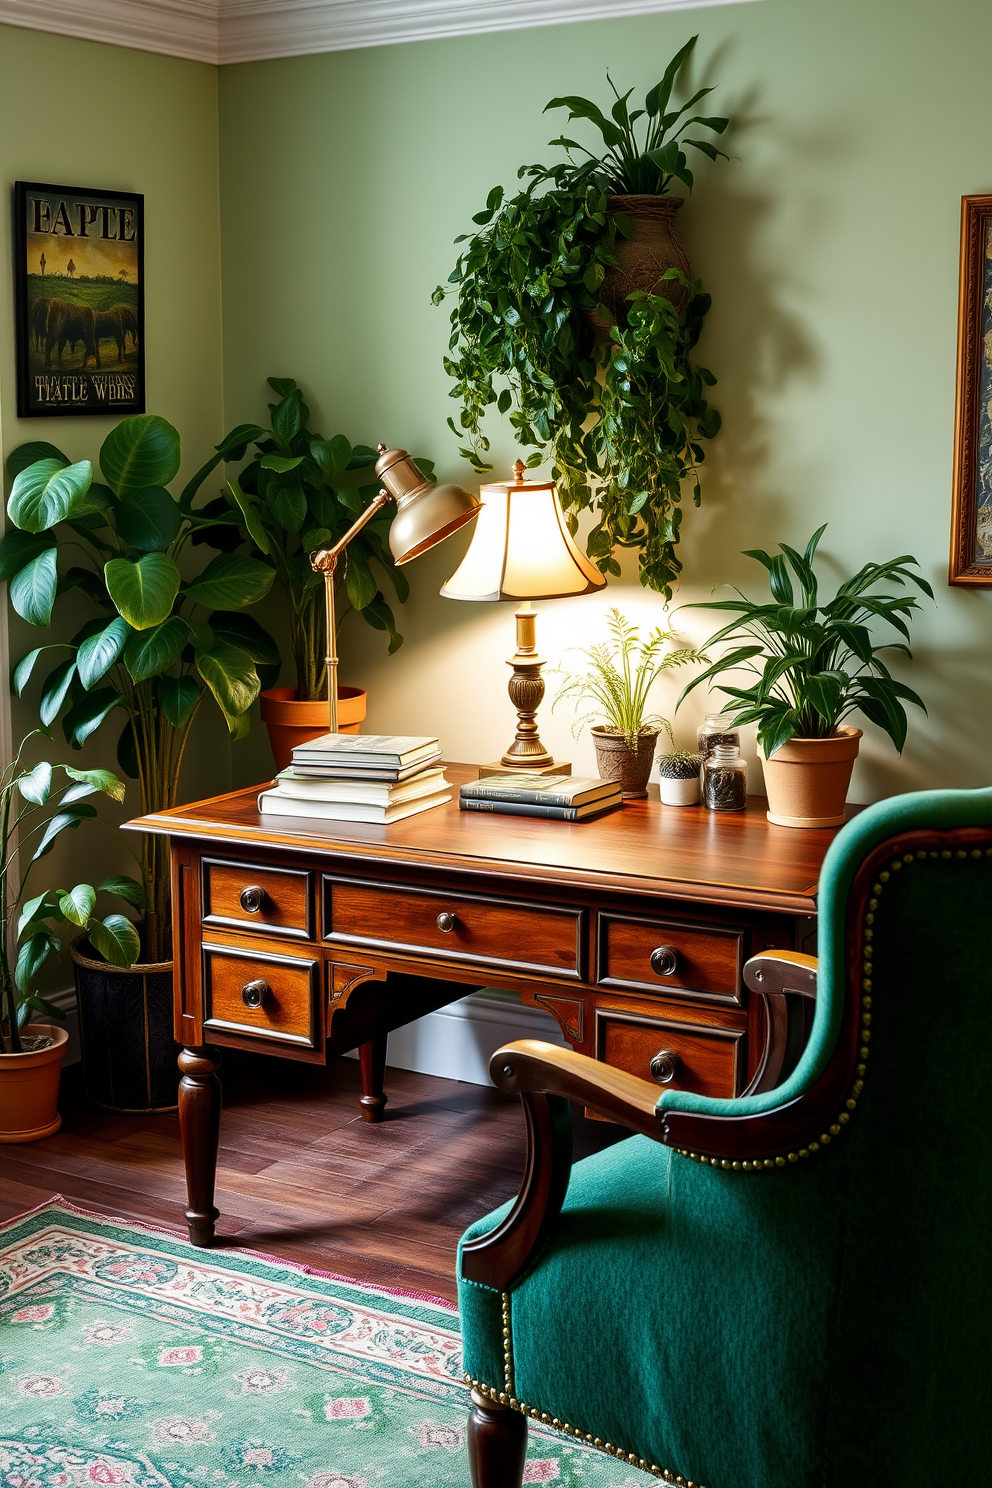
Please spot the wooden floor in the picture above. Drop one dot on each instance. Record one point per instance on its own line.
(300, 1174)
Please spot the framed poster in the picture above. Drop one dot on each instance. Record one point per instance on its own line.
(79, 288)
(971, 522)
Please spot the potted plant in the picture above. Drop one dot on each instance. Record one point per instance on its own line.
(157, 645)
(814, 664)
(678, 777)
(586, 244)
(619, 675)
(299, 492)
(36, 806)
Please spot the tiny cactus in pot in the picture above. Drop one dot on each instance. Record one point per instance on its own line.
(678, 776)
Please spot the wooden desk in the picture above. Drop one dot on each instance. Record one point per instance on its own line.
(307, 938)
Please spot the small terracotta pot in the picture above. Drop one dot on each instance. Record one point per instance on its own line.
(291, 722)
(29, 1088)
(807, 780)
(644, 258)
(615, 760)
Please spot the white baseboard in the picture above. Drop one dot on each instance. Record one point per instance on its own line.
(458, 1041)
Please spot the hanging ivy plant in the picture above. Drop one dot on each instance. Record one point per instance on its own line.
(621, 418)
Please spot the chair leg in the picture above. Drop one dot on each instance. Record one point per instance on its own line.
(497, 1444)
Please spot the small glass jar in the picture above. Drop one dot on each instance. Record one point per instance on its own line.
(725, 779)
(716, 729)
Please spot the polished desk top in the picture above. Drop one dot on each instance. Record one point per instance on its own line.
(681, 852)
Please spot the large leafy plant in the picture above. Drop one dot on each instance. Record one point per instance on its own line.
(36, 806)
(619, 674)
(815, 663)
(622, 420)
(299, 492)
(158, 643)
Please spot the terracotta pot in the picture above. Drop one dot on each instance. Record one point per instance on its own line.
(807, 780)
(126, 1033)
(29, 1088)
(615, 760)
(290, 722)
(642, 259)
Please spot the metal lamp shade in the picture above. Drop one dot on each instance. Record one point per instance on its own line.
(425, 513)
(521, 548)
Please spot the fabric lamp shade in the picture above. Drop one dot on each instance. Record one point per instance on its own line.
(521, 547)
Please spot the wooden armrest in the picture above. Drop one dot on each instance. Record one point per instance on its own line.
(531, 1065)
(778, 977)
(546, 1078)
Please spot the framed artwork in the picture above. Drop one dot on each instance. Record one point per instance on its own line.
(80, 301)
(971, 523)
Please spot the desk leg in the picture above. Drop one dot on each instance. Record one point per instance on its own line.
(372, 1057)
(199, 1122)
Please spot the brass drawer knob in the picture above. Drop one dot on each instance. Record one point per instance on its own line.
(664, 1066)
(664, 960)
(446, 921)
(253, 994)
(253, 899)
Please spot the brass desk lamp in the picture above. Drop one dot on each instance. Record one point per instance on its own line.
(426, 513)
(522, 549)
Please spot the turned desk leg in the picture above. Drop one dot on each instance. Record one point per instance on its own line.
(372, 1057)
(199, 1122)
(497, 1444)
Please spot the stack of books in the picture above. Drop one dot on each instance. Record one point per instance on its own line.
(359, 778)
(559, 797)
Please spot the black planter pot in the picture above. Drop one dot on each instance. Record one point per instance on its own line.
(125, 1029)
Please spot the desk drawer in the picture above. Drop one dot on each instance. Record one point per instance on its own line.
(270, 996)
(247, 896)
(668, 955)
(678, 1056)
(462, 927)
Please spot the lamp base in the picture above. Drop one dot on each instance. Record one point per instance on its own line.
(497, 767)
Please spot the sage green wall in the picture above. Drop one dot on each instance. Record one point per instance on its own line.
(830, 246)
(82, 113)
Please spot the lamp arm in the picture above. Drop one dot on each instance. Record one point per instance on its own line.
(325, 562)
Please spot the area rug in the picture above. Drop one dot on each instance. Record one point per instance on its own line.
(129, 1357)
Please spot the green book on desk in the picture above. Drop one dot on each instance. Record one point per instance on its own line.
(558, 798)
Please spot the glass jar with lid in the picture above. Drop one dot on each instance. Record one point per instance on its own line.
(725, 779)
(715, 729)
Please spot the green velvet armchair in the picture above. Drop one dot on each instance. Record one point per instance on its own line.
(791, 1289)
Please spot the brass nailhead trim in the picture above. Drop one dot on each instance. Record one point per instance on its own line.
(760, 1165)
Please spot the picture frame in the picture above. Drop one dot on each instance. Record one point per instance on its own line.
(79, 288)
(971, 516)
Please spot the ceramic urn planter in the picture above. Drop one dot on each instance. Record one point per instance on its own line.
(807, 780)
(29, 1087)
(291, 722)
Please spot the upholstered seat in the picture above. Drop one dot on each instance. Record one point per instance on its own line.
(805, 1302)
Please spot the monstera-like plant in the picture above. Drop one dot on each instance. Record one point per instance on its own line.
(158, 642)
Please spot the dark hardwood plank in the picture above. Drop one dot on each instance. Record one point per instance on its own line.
(300, 1175)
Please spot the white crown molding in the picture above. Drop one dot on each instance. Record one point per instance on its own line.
(219, 31)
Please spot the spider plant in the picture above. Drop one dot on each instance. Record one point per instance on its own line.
(618, 677)
(813, 663)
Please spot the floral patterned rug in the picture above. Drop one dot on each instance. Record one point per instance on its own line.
(128, 1357)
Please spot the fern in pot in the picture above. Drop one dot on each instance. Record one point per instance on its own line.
(157, 646)
(811, 664)
(619, 674)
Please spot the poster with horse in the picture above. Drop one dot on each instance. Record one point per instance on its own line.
(79, 270)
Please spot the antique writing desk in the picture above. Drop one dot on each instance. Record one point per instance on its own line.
(307, 938)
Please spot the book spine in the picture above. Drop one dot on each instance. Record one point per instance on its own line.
(520, 808)
(518, 797)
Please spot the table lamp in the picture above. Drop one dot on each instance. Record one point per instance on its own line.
(522, 549)
(426, 513)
